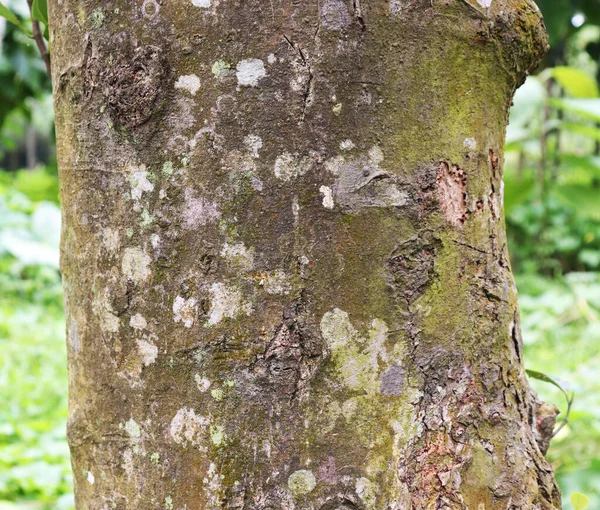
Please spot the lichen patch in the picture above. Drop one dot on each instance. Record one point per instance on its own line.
(138, 322)
(327, 193)
(226, 302)
(238, 256)
(250, 71)
(147, 351)
(302, 482)
(189, 428)
(291, 166)
(356, 360)
(135, 264)
(199, 210)
(138, 180)
(189, 82)
(133, 430)
(185, 310)
(276, 282)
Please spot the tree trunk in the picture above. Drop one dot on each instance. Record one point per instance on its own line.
(284, 254)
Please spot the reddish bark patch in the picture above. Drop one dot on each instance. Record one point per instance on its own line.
(452, 193)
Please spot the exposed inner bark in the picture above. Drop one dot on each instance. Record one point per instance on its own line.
(284, 256)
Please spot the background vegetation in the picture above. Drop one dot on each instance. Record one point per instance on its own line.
(552, 203)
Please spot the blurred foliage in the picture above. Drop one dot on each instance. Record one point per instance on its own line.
(35, 472)
(552, 205)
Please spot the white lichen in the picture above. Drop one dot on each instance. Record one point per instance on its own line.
(199, 210)
(276, 282)
(327, 197)
(138, 180)
(205, 4)
(290, 166)
(110, 239)
(185, 310)
(189, 82)
(250, 71)
(138, 322)
(147, 351)
(91, 478)
(356, 360)
(238, 255)
(485, 3)
(347, 145)
(189, 428)
(132, 429)
(254, 143)
(302, 482)
(226, 302)
(367, 491)
(470, 143)
(135, 264)
(217, 434)
(202, 382)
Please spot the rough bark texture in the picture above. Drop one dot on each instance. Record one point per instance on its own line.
(284, 254)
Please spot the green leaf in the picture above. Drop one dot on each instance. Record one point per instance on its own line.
(579, 501)
(587, 108)
(39, 11)
(581, 129)
(5, 12)
(575, 82)
(582, 198)
(543, 377)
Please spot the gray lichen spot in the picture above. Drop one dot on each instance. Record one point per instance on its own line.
(221, 69)
(250, 71)
(301, 482)
(189, 428)
(356, 359)
(148, 352)
(138, 180)
(189, 82)
(97, 18)
(254, 143)
(335, 15)
(184, 310)
(138, 322)
(392, 381)
(276, 282)
(199, 210)
(150, 8)
(470, 143)
(290, 166)
(135, 264)
(367, 491)
(205, 4)
(133, 429)
(217, 435)
(238, 256)
(226, 302)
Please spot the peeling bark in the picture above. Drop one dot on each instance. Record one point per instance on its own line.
(284, 257)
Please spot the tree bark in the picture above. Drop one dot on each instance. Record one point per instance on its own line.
(284, 254)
